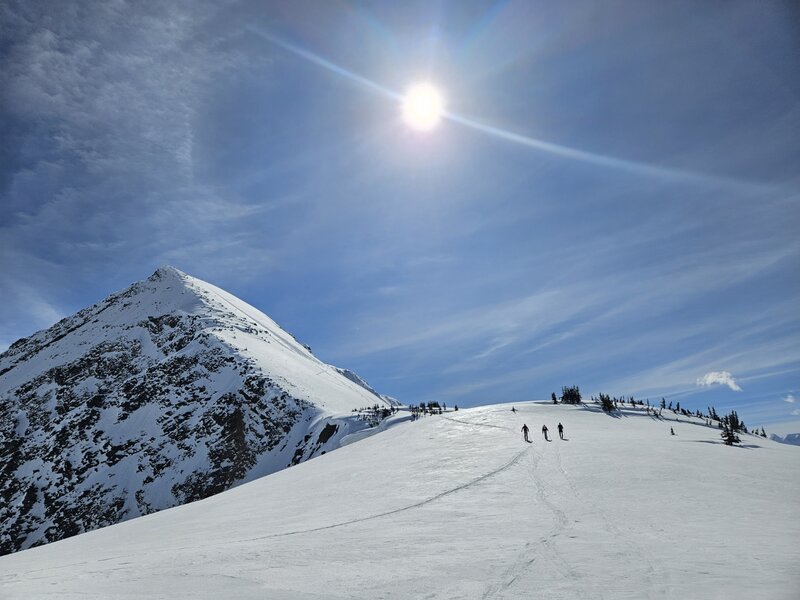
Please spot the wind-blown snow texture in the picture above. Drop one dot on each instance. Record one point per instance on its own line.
(458, 506)
(167, 392)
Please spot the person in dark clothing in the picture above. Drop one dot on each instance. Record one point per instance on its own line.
(672, 431)
(560, 431)
(513, 409)
(525, 432)
(544, 432)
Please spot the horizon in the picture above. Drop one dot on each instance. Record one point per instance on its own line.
(784, 428)
(608, 197)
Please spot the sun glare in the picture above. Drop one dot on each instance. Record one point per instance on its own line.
(423, 107)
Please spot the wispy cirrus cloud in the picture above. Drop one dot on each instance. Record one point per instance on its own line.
(102, 174)
(33, 311)
(453, 263)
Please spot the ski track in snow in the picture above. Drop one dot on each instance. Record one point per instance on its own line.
(459, 488)
(473, 423)
(644, 556)
(533, 552)
(547, 547)
(516, 459)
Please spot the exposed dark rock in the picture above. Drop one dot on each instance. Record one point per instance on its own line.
(326, 433)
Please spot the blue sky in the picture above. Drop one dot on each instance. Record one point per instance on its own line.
(657, 245)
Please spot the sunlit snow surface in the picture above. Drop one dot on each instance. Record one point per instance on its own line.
(458, 506)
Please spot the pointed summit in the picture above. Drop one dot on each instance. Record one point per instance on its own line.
(166, 392)
(166, 272)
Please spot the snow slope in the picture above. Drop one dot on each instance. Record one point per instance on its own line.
(458, 506)
(166, 392)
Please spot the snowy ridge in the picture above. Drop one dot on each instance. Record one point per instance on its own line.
(458, 506)
(793, 439)
(161, 394)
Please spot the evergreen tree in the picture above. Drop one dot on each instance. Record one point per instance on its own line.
(733, 421)
(605, 403)
(553, 397)
(570, 395)
(729, 436)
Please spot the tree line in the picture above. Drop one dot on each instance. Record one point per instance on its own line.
(730, 424)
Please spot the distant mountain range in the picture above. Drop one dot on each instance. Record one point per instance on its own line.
(167, 392)
(791, 438)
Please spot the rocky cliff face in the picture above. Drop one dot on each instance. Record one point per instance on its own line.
(165, 393)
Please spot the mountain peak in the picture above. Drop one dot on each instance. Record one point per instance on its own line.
(168, 391)
(167, 272)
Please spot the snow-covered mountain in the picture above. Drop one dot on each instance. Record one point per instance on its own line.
(167, 392)
(458, 506)
(791, 438)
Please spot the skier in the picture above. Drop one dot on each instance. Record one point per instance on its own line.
(544, 432)
(672, 431)
(525, 432)
(560, 431)
(513, 409)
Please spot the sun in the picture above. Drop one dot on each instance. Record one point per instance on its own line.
(423, 107)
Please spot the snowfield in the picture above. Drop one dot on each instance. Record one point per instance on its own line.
(458, 506)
